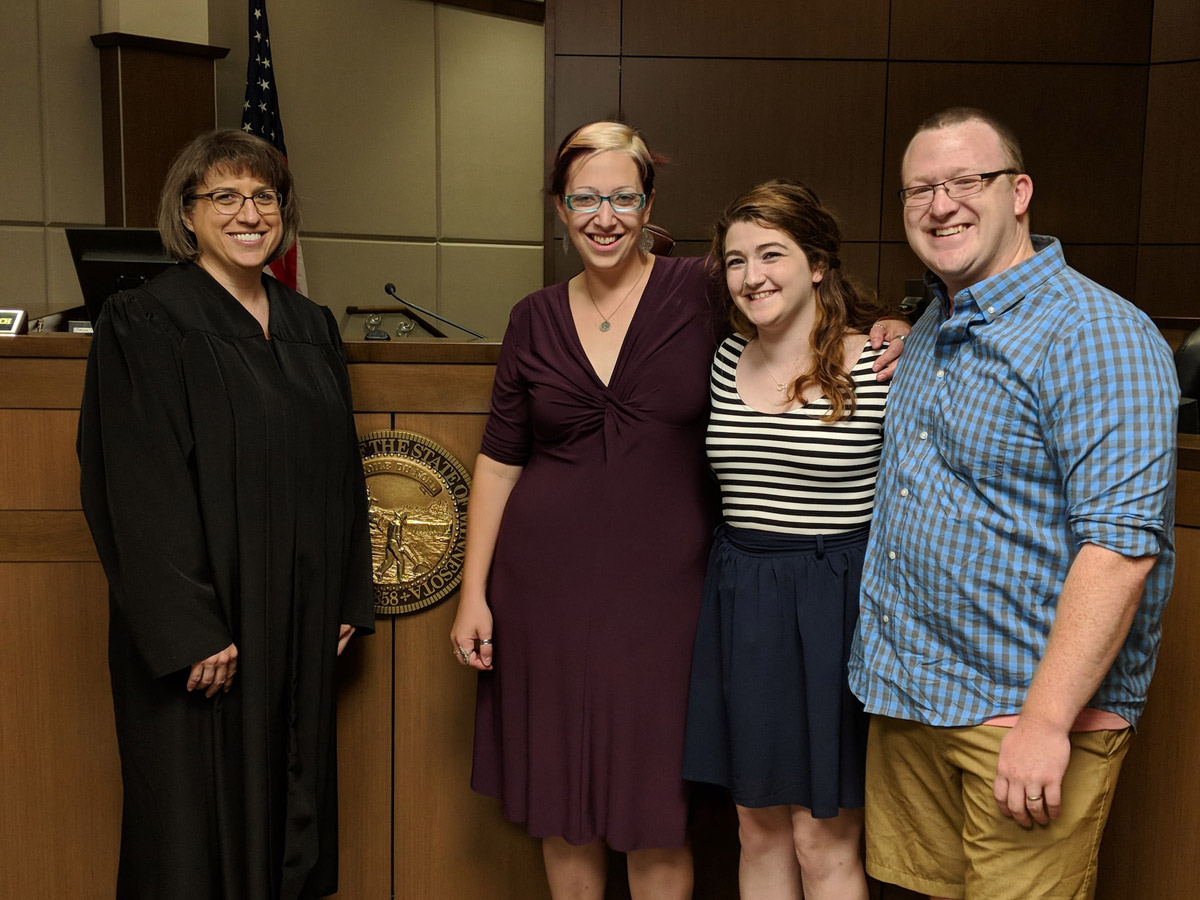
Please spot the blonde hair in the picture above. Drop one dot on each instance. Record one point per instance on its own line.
(601, 137)
(841, 305)
(226, 150)
(960, 115)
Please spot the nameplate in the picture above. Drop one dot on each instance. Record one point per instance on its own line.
(12, 321)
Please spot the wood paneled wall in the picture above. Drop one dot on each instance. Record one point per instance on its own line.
(1105, 99)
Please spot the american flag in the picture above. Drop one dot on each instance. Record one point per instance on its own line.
(260, 115)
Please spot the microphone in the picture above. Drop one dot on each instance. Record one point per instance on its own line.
(391, 289)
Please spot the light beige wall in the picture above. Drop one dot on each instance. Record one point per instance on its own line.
(173, 20)
(50, 153)
(415, 133)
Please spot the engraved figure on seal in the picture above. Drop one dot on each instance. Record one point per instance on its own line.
(408, 540)
(417, 502)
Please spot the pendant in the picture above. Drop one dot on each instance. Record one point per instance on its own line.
(604, 326)
(780, 387)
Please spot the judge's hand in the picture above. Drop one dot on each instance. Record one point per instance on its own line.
(215, 673)
(344, 633)
(894, 331)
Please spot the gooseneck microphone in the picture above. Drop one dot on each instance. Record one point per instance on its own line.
(391, 289)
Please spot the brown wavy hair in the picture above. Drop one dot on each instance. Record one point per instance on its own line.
(841, 304)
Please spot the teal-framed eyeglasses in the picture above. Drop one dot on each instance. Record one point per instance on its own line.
(230, 203)
(622, 202)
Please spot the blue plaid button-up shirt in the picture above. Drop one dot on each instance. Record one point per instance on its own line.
(1036, 414)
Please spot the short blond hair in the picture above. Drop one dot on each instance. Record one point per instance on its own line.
(226, 150)
(601, 137)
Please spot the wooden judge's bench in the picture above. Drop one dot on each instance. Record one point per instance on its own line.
(410, 825)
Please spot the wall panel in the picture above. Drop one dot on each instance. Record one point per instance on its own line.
(20, 137)
(817, 120)
(1077, 31)
(1170, 188)
(853, 29)
(1176, 31)
(481, 282)
(492, 73)
(587, 27)
(1167, 279)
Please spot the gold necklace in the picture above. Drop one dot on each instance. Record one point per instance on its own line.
(605, 324)
(779, 386)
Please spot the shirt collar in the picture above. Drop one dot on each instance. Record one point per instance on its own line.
(1001, 292)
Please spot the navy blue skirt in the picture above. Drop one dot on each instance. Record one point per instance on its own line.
(770, 714)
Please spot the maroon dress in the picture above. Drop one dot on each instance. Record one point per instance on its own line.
(598, 570)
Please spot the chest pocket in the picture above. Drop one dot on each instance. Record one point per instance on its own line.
(978, 407)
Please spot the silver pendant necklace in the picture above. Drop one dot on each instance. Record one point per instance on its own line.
(605, 323)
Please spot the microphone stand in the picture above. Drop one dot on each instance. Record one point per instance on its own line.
(391, 289)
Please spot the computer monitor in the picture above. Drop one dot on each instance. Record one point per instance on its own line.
(108, 260)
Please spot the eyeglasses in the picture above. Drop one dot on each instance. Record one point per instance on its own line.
(956, 188)
(230, 203)
(625, 201)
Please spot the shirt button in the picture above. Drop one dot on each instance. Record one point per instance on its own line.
(886, 620)
(891, 554)
(991, 309)
(903, 492)
(941, 373)
(924, 435)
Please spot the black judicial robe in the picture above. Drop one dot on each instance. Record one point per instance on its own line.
(223, 486)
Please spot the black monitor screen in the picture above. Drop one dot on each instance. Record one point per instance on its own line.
(108, 260)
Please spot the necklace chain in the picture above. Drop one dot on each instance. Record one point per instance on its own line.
(779, 385)
(605, 324)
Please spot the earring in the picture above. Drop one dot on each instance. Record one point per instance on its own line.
(566, 242)
(646, 240)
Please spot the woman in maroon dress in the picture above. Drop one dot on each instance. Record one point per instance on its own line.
(589, 523)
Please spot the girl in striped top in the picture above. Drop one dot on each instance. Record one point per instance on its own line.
(794, 439)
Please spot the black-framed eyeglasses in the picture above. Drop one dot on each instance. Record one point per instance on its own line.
(956, 188)
(230, 203)
(623, 201)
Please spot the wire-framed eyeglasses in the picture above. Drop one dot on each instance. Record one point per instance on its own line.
(230, 203)
(956, 188)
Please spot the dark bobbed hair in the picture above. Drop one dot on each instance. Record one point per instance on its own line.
(233, 152)
(842, 305)
(960, 115)
(599, 137)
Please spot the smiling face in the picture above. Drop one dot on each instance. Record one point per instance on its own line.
(769, 278)
(233, 248)
(967, 240)
(605, 239)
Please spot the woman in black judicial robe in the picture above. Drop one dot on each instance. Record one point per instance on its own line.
(222, 484)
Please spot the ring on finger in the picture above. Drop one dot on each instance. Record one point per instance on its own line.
(1036, 799)
(464, 654)
(486, 642)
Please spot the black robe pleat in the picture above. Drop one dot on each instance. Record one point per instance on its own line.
(223, 486)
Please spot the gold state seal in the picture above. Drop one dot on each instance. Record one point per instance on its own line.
(417, 497)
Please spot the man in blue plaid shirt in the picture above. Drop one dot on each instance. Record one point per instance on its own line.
(1022, 551)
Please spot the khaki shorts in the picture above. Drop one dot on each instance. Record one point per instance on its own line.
(934, 827)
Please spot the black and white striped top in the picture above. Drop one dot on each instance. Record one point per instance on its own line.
(790, 472)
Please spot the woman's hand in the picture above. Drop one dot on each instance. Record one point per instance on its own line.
(344, 634)
(893, 331)
(215, 673)
(473, 623)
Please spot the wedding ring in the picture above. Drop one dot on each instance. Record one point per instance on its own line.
(466, 656)
(486, 642)
(1033, 799)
